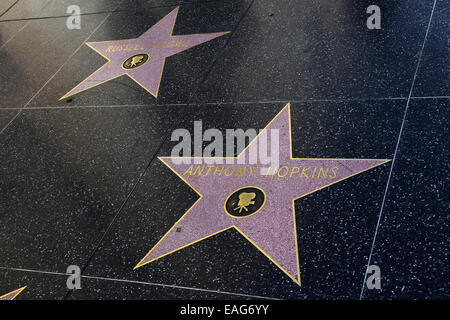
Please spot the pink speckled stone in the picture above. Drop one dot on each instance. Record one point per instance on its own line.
(272, 229)
(149, 74)
(12, 295)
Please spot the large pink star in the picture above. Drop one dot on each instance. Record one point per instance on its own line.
(12, 295)
(271, 229)
(151, 50)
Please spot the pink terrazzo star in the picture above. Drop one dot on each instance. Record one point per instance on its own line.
(272, 227)
(12, 295)
(149, 52)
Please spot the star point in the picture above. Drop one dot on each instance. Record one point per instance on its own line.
(13, 294)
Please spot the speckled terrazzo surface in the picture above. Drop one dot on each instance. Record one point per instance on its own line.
(87, 180)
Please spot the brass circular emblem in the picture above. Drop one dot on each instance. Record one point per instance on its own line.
(135, 61)
(245, 202)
